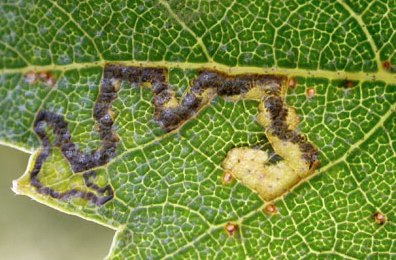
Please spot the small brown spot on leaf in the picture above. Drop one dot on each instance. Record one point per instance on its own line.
(230, 228)
(227, 177)
(45, 77)
(310, 92)
(50, 81)
(346, 84)
(270, 209)
(379, 218)
(30, 77)
(386, 65)
(292, 83)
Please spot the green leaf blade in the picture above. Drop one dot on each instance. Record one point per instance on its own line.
(170, 199)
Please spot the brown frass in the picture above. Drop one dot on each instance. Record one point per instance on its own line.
(79, 161)
(279, 128)
(225, 85)
(169, 118)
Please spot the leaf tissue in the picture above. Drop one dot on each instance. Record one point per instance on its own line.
(201, 129)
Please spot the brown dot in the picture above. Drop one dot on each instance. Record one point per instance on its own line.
(349, 84)
(227, 177)
(292, 83)
(310, 92)
(50, 81)
(386, 65)
(230, 228)
(379, 218)
(44, 75)
(46, 78)
(270, 209)
(30, 77)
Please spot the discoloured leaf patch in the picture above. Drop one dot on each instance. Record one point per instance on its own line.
(300, 158)
(379, 218)
(386, 65)
(189, 89)
(292, 83)
(227, 177)
(251, 166)
(310, 92)
(231, 229)
(347, 84)
(270, 209)
(79, 161)
(44, 76)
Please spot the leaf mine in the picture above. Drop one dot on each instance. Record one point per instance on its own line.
(172, 123)
(253, 167)
(300, 158)
(79, 162)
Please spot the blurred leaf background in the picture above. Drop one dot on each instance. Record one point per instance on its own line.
(32, 231)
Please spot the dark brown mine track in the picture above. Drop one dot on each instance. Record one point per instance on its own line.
(168, 118)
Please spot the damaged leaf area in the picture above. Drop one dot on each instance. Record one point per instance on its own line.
(208, 129)
(300, 158)
(246, 164)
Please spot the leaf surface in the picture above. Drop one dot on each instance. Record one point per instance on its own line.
(84, 87)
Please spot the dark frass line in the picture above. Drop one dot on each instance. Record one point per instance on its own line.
(169, 118)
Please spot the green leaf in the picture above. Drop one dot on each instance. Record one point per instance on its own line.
(131, 110)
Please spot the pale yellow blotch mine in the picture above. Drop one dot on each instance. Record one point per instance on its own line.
(250, 165)
(246, 164)
(292, 155)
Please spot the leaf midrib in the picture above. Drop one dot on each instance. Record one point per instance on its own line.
(381, 75)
